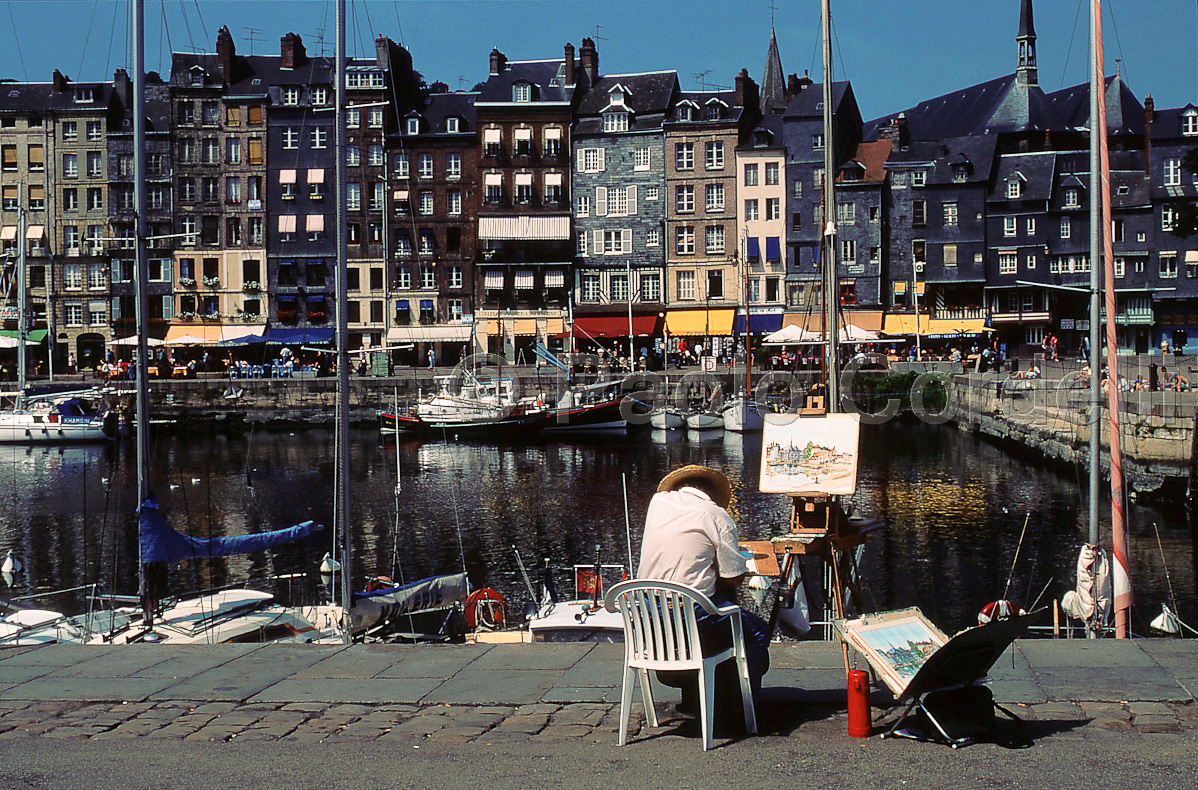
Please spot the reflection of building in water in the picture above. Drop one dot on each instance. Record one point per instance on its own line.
(907, 660)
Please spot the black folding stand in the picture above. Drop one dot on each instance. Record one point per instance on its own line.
(947, 692)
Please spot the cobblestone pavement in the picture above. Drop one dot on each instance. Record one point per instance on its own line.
(487, 724)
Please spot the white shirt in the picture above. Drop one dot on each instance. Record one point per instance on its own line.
(689, 539)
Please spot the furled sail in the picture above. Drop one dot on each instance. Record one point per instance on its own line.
(161, 543)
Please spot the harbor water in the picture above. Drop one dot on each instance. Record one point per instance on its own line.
(953, 506)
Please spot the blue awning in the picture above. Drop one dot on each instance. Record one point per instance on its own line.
(298, 336)
(773, 252)
(754, 248)
(758, 324)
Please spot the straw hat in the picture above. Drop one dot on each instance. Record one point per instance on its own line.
(721, 489)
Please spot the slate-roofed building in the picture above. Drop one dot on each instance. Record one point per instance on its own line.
(433, 235)
(760, 202)
(704, 278)
(619, 209)
(525, 110)
(1173, 260)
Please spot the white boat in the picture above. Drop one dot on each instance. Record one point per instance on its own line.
(704, 420)
(66, 417)
(742, 415)
(582, 619)
(666, 418)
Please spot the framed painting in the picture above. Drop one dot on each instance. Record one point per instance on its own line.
(808, 456)
(896, 644)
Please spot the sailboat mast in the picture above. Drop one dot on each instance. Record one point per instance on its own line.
(21, 351)
(142, 300)
(1100, 156)
(831, 284)
(341, 499)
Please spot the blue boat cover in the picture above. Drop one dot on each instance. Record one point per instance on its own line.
(435, 592)
(162, 543)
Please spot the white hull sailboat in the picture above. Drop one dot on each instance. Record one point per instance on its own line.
(742, 415)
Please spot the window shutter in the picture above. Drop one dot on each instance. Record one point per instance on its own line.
(582, 158)
(597, 246)
(626, 241)
(601, 166)
(600, 201)
(631, 200)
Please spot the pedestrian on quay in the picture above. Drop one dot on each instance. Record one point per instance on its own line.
(431, 360)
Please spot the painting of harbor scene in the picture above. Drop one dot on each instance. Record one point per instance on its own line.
(896, 644)
(810, 455)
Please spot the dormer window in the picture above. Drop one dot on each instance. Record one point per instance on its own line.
(1015, 187)
(685, 112)
(960, 173)
(714, 110)
(84, 95)
(1189, 123)
(1072, 197)
(413, 126)
(852, 171)
(197, 75)
(453, 125)
(615, 122)
(291, 96)
(522, 92)
(918, 178)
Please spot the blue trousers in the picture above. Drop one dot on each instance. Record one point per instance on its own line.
(715, 634)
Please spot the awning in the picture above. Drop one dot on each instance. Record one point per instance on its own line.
(493, 280)
(758, 324)
(869, 320)
(298, 336)
(493, 180)
(35, 232)
(754, 248)
(899, 287)
(811, 322)
(525, 227)
(773, 250)
(555, 279)
(1191, 256)
(553, 179)
(316, 175)
(692, 323)
(553, 133)
(523, 179)
(8, 233)
(523, 134)
(192, 335)
(600, 326)
(286, 223)
(899, 325)
(554, 326)
(434, 333)
(228, 333)
(491, 136)
(11, 336)
(315, 222)
(524, 279)
(286, 176)
(400, 194)
(524, 327)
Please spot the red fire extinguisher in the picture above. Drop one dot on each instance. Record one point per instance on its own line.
(859, 719)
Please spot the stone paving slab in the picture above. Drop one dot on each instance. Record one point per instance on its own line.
(367, 691)
(246, 675)
(497, 686)
(57, 656)
(70, 688)
(433, 661)
(545, 655)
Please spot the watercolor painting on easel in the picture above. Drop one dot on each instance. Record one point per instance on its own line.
(810, 455)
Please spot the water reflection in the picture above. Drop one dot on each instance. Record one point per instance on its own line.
(954, 507)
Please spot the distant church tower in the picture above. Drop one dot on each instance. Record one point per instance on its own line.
(1026, 38)
(773, 84)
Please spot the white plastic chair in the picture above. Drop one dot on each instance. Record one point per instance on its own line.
(661, 632)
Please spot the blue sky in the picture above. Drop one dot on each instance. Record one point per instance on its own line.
(896, 53)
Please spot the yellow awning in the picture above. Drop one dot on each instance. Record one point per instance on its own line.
(870, 320)
(812, 322)
(903, 325)
(554, 326)
(523, 327)
(698, 323)
(900, 324)
(192, 334)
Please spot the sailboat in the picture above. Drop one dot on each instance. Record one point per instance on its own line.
(55, 417)
(741, 413)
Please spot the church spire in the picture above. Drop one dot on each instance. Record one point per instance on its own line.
(773, 85)
(1026, 39)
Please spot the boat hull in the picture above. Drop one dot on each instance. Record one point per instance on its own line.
(704, 421)
(666, 419)
(743, 416)
(31, 428)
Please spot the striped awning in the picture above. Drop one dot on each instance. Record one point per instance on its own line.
(524, 279)
(493, 280)
(525, 227)
(555, 278)
(434, 333)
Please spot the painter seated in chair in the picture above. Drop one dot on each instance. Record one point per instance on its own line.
(690, 538)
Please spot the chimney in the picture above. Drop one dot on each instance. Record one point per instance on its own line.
(438, 87)
(291, 51)
(895, 131)
(498, 62)
(1149, 117)
(588, 59)
(225, 52)
(60, 82)
(795, 85)
(747, 95)
(123, 86)
(568, 59)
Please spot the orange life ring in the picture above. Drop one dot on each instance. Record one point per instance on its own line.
(485, 608)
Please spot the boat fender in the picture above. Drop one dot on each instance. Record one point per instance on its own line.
(485, 608)
(998, 610)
